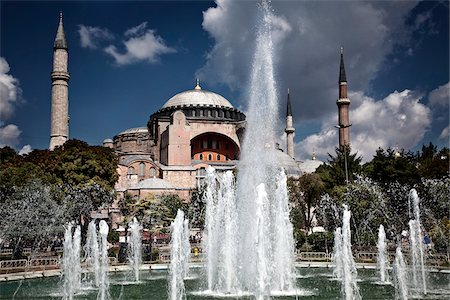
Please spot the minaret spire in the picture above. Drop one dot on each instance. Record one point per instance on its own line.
(289, 128)
(343, 104)
(289, 109)
(342, 77)
(60, 39)
(59, 132)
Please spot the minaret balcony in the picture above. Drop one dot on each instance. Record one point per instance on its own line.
(289, 130)
(60, 75)
(343, 101)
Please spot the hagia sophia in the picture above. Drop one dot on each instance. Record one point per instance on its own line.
(194, 129)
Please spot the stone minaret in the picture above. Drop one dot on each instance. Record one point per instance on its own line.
(60, 90)
(289, 128)
(343, 103)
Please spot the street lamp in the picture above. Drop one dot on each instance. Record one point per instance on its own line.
(345, 152)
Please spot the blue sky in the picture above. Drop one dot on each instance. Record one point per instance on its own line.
(396, 55)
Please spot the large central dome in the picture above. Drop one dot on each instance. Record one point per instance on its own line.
(197, 97)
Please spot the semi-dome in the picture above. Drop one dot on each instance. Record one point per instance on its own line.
(135, 130)
(197, 97)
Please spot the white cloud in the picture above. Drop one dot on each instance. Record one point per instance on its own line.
(137, 30)
(10, 95)
(399, 119)
(142, 44)
(25, 150)
(440, 96)
(307, 38)
(9, 135)
(9, 92)
(90, 37)
(445, 134)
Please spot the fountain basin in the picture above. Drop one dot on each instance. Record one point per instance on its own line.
(311, 283)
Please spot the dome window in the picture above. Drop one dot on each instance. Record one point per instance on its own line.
(152, 172)
(209, 157)
(200, 156)
(131, 171)
(218, 156)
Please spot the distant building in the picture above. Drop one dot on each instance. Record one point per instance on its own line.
(194, 129)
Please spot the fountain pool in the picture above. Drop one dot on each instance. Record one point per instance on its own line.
(318, 282)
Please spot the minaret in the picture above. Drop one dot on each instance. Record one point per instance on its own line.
(60, 90)
(289, 128)
(343, 103)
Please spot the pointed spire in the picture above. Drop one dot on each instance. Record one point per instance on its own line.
(198, 87)
(60, 40)
(342, 77)
(289, 109)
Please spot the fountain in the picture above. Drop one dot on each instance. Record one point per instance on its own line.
(337, 254)
(135, 247)
(103, 292)
(345, 267)
(71, 262)
(92, 253)
(179, 256)
(382, 258)
(416, 246)
(400, 279)
(258, 210)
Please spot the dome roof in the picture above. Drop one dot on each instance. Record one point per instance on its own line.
(197, 97)
(288, 163)
(135, 130)
(153, 184)
(310, 165)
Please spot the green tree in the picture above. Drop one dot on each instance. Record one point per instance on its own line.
(333, 172)
(304, 194)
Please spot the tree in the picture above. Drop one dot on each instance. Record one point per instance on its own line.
(333, 172)
(7, 153)
(304, 194)
(390, 166)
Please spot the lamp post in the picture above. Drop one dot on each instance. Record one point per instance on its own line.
(345, 152)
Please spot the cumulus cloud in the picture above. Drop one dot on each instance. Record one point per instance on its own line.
(308, 36)
(9, 92)
(440, 96)
(25, 150)
(445, 134)
(10, 96)
(90, 37)
(9, 135)
(141, 44)
(399, 119)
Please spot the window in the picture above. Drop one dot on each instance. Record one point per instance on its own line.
(209, 143)
(200, 176)
(152, 172)
(218, 156)
(209, 156)
(141, 169)
(200, 156)
(214, 144)
(204, 144)
(130, 170)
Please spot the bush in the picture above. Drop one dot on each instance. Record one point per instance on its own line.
(300, 238)
(320, 241)
(113, 237)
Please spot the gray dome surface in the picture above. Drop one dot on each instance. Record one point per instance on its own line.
(135, 130)
(289, 165)
(197, 97)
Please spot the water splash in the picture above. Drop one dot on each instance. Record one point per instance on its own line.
(337, 254)
(103, 293)
(71, 262)
(416, 245)
(400, 278)
(178, 257)
(349, 288)
(135, 247)
(92, 253)
(382, 258)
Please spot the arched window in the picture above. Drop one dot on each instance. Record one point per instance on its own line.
(209, 156)
(141, 169)
(130, 170)
(200, 156)
(152, 172)
(218, 156)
